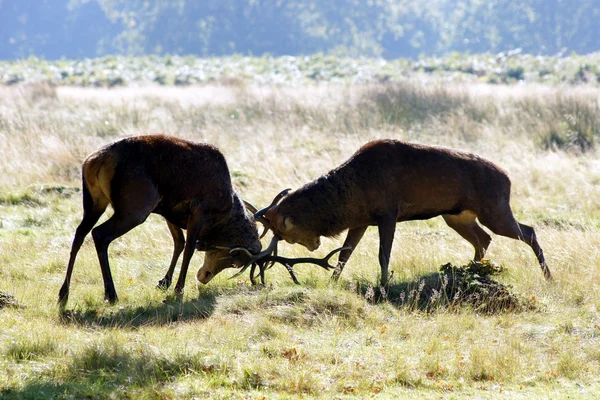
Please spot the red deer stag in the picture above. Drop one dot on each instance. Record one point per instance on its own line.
(389, 181)
(187, 183)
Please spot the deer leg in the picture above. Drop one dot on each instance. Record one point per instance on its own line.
(194, 226)
(352, 239)
(503, 223)
(135, 201)
(90, 217)
(466, 226)
(179, 243)
(93, 208)
(529, 237)
(116, 226)
(386, 227)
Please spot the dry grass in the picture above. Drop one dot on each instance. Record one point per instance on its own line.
(229, 340)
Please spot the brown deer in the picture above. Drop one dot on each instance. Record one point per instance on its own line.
(187, 183)
(390, 181)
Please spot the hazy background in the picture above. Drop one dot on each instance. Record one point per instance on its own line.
(54, 29)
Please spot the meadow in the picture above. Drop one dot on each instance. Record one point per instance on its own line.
(229, 339)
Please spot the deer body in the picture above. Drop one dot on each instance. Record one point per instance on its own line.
(187, 183)
(389, 181)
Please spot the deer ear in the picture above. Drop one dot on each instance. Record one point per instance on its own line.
(286, 223)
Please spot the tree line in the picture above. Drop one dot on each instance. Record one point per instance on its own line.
(375, 28)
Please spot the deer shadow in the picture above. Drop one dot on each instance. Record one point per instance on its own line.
(171, 310)
(452, 288)
(420, 294)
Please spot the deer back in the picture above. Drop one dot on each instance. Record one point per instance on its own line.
(391, 177)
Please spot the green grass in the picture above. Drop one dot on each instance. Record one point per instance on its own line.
(25, 198)
(118, 71)
(318, 340)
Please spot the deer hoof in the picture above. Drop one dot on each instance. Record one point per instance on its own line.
(164, 284)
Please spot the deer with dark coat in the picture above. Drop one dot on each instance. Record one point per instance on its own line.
(390, 181)
(187, 183)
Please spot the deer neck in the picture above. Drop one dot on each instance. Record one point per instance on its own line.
(322, 205)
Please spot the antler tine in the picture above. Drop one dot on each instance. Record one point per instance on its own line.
(292, 274)
(261, 273)
(258, 256)
(259, 218)
(262, 267)
(260, 213)
(269, 264)
(242, 270)
(252, 270)
(264, 232)
(254, 258)
(252, 280)
(250, 207)
(254, 211)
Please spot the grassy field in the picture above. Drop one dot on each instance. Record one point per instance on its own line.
(115, 71)
(318, 340)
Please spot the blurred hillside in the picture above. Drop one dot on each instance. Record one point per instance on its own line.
(55, 29)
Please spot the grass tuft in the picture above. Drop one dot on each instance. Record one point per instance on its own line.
(27, 199)
(26, 349)
(452, 288)
(7, 300)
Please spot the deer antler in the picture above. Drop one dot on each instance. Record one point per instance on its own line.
(321, 262)
(260, 214)
(266, 258)
(276, 200)
(254, 258)
(261, 273)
